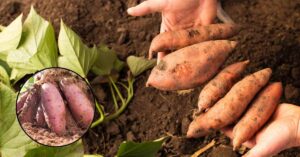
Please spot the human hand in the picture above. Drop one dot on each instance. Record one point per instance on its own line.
(282, 132)
(178, 14)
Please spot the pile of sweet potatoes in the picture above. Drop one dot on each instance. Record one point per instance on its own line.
(226, 99)
(58, 100)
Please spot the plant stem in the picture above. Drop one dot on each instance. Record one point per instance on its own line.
(116, 89)
(124, 103)
(114, 97)
(101, 118)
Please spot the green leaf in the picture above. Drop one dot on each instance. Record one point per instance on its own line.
(73, 150)
(10, 37)
(4, 78)
(75, 54)
(37, 49)
(138, 65)
(145, 149)
(107, 61)
(13, 141)
(92, 155)
(17, 74)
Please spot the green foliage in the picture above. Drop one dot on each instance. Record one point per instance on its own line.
(75, 54)
(73, 150)
(144, 149)
(4, 78)
(10, 37)
(107, 62)
(13, 141)
(138, 65)
(37, 49)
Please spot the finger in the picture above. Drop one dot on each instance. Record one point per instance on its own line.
(147, 7)
(228, 131)
(160, 55)
(208, 11)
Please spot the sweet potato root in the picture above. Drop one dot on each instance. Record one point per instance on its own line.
(191, 66)
(54, 108)
(21, 101)
(174, 40)
(220, 85)
(30, 106)
(228, 109)
(257, 115)
(79, 103)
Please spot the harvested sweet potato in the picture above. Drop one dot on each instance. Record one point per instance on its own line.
(257, 115)
(54, 108)
(79, 103)
(191, 66)
(220, 85)
(174, 40)
(21, 101)
(30, 106)
(228, 109)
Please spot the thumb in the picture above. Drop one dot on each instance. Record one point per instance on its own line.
(257, 151)
(147, 7)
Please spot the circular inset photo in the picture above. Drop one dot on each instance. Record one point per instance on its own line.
(55, 107)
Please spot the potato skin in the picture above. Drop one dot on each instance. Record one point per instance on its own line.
(21, 101)
(191, 66)
(174, 40)
(27, 115)
(54, 107)
(258, 114)
(228, 109)
(220, 85)
(81, 107)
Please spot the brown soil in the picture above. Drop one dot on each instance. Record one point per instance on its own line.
(270, 39)
(46, 137)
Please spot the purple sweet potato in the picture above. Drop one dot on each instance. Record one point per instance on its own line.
(54, 108)
(81, 107)
(174, 40)
(258, 114)
(228, 109)
(30, 106)
(21, 101)
(220, 85)
(191, 66)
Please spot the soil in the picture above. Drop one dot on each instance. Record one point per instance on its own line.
(270, 39)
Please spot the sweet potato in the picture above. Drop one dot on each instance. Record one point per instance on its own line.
(40, 117)
(257, 115)
(220, 85)
(191, 66)
(82, 108)
(228, 109)
(30, 106)
(21, 101)
(54, 108)
(174, 40)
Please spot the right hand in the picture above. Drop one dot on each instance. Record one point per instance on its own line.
(282, 132)
(178, 14)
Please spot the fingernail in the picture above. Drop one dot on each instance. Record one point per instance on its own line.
(129, 10)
